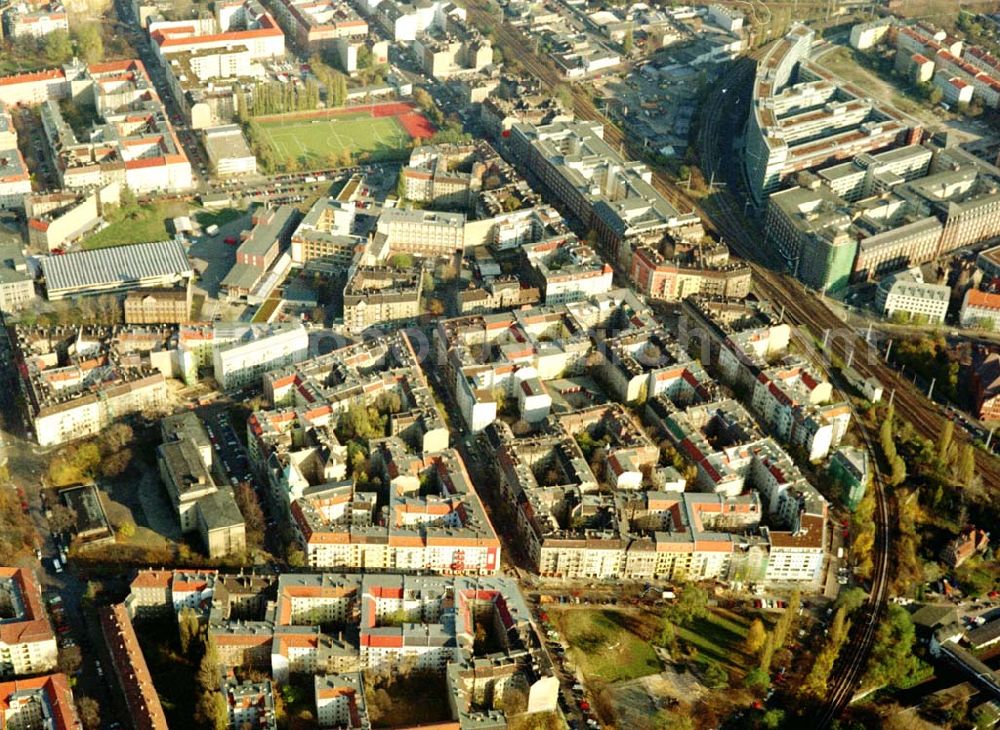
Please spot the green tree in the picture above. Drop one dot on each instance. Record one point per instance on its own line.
(401, 261)
(89, 45)
(564, 93)
(668, 637)
(90, 713)
(851, 599)
(767, 654)
(628, 42)
(715, 676)
(773, 719)
(944, 444)
(365, 57)
(787, 619)
(887, 438)
(211, 710)
(967, 465)
(756, 636)
(757, 681)
(898, 474)
(189, 628)
(423, 99)
(691, 604)
(346, 158)
(207, 677)
(56, 47)
(892, 660)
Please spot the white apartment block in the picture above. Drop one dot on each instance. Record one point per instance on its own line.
(243, 360)
(908, 293)
(27, 642)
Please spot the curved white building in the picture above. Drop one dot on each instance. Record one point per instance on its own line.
(802, 116)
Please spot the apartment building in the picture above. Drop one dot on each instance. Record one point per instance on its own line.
(510, 106)
(318, 26)
(8, 133)
(61, 414)
(158, 306)
(324, 387)
(421, 232)
(17, 286)
(443, 175)
(851, 469)
(656, 276)
(258, 32)
(130, 669)
(986, 386)
(340, 701)
(249, 704)
(381, 296)
(980, 309)
(27, 641)
(330, 627)
(203, 505)
(567, 269)
(908, 294)
(574, 531)
(500, 293)
(134, 144)
(446, 55)
(445, 532)
(39, 702)
(246, 352)
(736, 338)
(326, 234)
(608, 194)
(988, 261)
(15, 180)
(867, 35)
(794, 401)
(55, 219)
(21, 20)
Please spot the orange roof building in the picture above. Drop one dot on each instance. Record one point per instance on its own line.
(27, 642)
(44, 701)
(144, 706)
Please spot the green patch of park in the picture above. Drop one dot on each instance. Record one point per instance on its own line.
(717, 637)
(136, 224)
(610, 645)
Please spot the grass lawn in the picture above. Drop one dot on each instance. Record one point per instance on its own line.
(149, 224)
(842, 61)
(610, 645)
(718, 637)
(316, 142)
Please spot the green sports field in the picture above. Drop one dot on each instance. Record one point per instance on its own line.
(313, 142)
